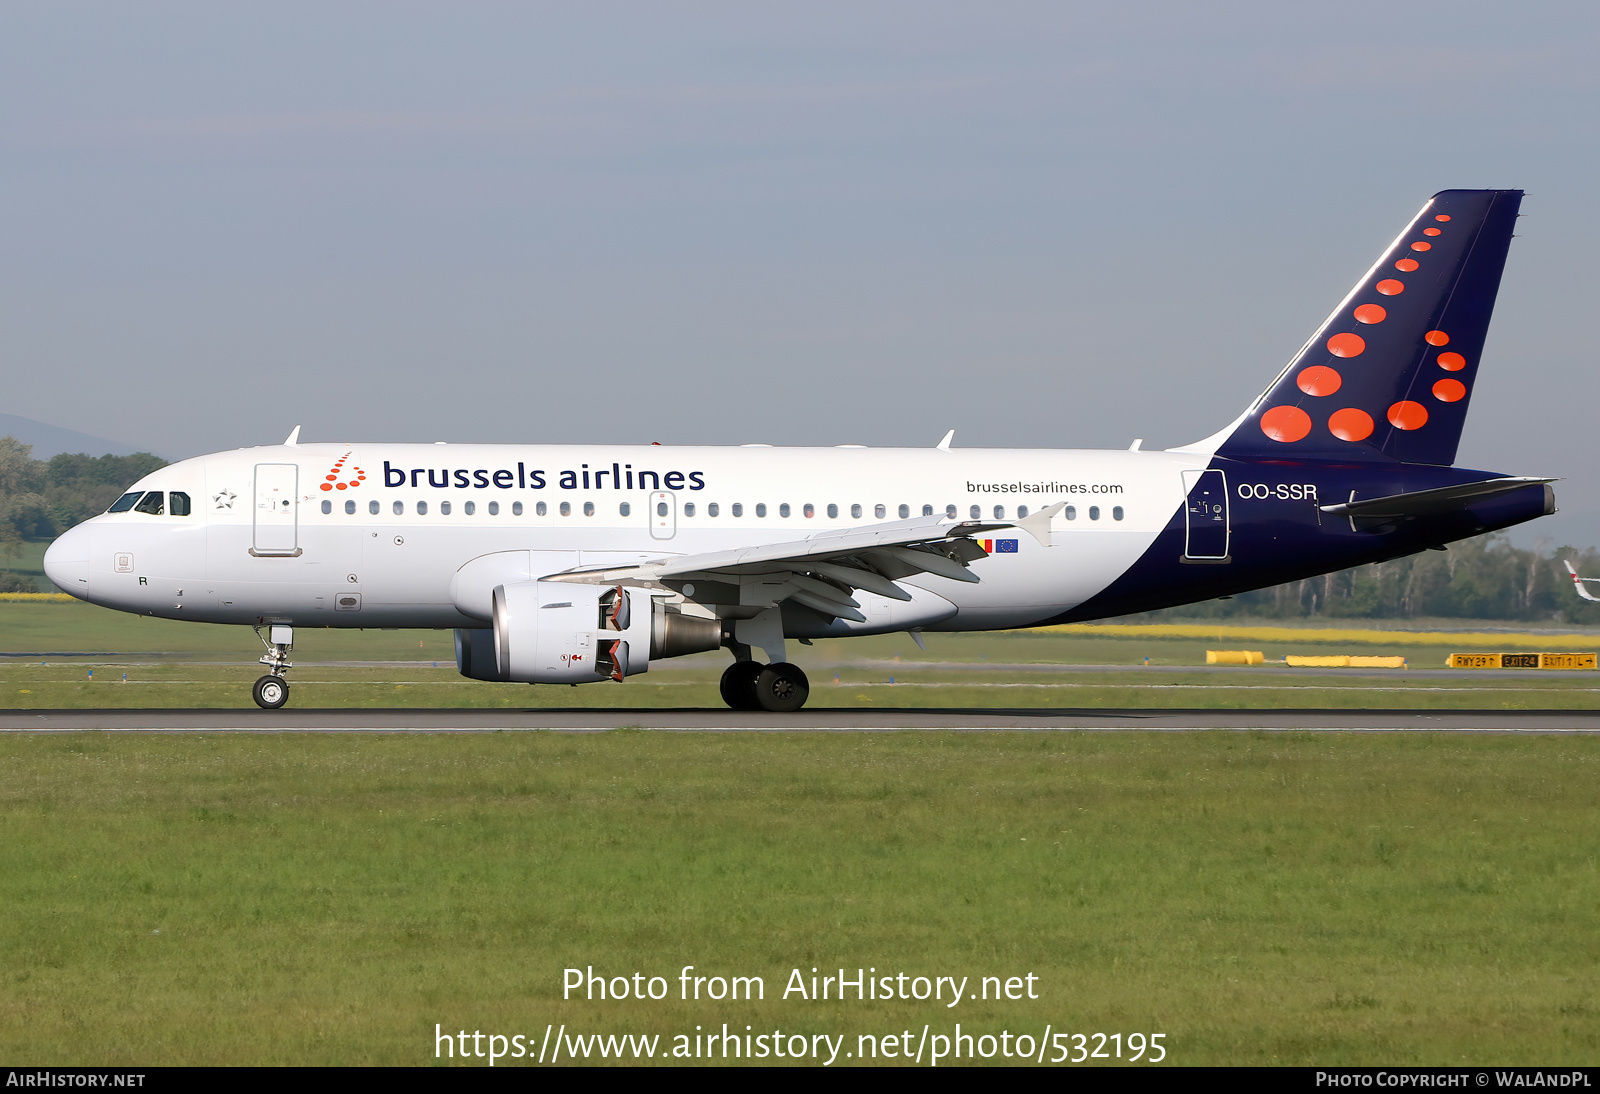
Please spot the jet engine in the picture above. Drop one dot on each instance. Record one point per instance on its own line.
(557, 632)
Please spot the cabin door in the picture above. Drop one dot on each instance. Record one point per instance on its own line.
(277, 508)
(1206, 516)
(663, 514)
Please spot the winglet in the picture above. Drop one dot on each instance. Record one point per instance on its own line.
(293, 439)
(944, 445)
(1138, 442)
(1037, 524)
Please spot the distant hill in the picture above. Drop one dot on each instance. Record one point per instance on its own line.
(52, 440)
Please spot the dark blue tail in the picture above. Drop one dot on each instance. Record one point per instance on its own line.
(1389, 375)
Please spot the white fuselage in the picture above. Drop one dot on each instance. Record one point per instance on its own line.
(271, 537)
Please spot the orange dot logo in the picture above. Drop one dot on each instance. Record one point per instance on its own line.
(1390, 287)
(1408, 415)
(1286, 423)
(1452, 362)
(1350, 424)
(1436, 338)
(1420, 245)
(1347, 345)
(1449, 391)
(1430, 231)
(1318, 380)
(1371, 313)
(1407, 264)
(333, 475)
(1441, 217)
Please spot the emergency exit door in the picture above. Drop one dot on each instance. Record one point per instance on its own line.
(1206, 516)
(276, 509)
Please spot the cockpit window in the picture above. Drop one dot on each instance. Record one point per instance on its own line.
(124, 503)
(151, 504)
(180, 503)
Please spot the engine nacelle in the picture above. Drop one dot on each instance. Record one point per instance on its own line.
(557, 632)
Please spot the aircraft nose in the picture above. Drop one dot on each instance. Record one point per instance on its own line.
(66, 561)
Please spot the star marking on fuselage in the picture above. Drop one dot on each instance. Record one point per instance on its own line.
(224, 500)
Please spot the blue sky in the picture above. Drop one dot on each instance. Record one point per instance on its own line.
(1042, 224)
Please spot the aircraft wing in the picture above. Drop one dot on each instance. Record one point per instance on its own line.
(1421, 502)
(821, 571)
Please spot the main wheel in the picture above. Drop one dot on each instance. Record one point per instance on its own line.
(782, 688)
(271, 692)
(739, 685)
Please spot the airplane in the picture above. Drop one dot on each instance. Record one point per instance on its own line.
(1577, 583)
(585, 563)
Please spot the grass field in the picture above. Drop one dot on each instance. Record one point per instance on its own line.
(314, 899)
(1285, 898)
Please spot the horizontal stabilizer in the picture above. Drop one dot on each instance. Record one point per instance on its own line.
(1577, 583)
(1423, 502)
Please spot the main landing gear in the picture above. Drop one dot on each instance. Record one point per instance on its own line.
(272, 690)
(779, 687)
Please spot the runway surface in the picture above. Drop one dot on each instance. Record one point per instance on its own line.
(454, 720)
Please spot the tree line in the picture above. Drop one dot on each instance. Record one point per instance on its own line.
(1481, 578)
(40, 499)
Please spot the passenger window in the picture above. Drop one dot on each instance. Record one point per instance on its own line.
(588, 508)
(124, 503)
(1022, 511)
(927, 510)
(761, 508)
(349, 508)
(855, 511)
(539, 509)
(809, 510)
(327, 506)
(179, 503)
(151, 504)
(1070, 512)
(977, 512)
(625, 509)
(399, 508)
(783, 510)
(516, 508)
(1094, 512)
(470, 508)
(880, 510)
(950, 511)
(372, 506)
(738, 508)
(444, 509)
(566, 508)
(1116, 513)
(661, 508)
(494, 509)
(999, 512)
(688, 508)
(833, 510)
(422, 508)
(712, 509)
(905, 511)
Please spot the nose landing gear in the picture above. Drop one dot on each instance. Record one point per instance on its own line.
(272, 691)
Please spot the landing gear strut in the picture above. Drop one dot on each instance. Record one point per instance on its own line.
(780, 687)
(272, 691)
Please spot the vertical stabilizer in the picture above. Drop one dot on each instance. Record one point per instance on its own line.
(1389, 375)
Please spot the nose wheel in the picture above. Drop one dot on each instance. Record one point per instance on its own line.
(271, 692)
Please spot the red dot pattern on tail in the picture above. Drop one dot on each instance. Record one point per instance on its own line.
(1286, 423)
(1350, 424)
(1319, 380)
